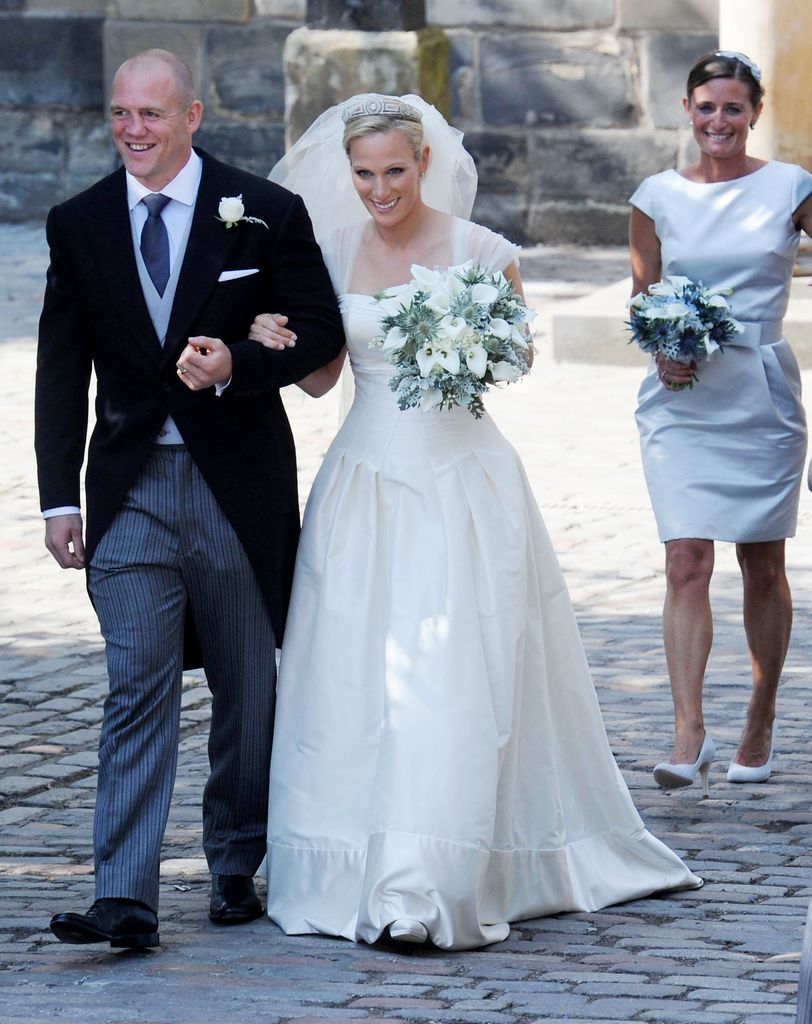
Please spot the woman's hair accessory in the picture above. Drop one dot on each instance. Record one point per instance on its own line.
(755, 70)
(377, 106)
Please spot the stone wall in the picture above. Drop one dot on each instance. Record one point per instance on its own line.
(52, 138)
(566, 104)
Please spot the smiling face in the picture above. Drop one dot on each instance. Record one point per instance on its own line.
(386, 175)
(721, 113)
(153, 121)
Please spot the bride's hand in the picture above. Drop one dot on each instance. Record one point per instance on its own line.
(269, 330)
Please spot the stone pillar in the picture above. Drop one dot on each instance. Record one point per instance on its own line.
(351, 46)
(776, 35)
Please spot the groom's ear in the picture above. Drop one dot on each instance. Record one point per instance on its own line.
(194, 115)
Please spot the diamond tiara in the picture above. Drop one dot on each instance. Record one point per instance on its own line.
(377, 106)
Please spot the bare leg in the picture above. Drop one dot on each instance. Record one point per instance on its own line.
(768, 624)
(687, 635)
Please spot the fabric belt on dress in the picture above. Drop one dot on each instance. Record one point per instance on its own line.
(754, 334)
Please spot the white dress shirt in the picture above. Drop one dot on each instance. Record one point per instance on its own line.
(182, 190)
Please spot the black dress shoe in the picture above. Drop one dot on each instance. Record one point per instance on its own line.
(234, 899)
(125, 924)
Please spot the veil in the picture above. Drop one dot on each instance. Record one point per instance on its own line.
(316, 168)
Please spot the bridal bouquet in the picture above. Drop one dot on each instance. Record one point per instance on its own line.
(682, 319)
(450, 334)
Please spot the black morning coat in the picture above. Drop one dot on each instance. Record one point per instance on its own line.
(94, 316)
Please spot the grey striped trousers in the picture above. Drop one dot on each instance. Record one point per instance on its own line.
(170, 544)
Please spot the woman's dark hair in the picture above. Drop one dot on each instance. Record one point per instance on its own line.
(724, 64)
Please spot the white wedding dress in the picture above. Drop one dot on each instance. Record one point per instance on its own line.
(439, 751)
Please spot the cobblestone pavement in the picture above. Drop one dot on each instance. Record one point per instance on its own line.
(723, 955)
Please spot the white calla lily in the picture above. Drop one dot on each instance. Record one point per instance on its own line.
(450, 360)
(518, 337)
(396, 298)
(425, 278)
(454, 285)
(668, 311)
(504, 371)
(433, 356)
(709, 345)
(427, 360)
(499, 328)
(394, 339)
(669, 286)
(453, 327)
(439, 301)
(484, 294)
(430, 399)
(476, 359)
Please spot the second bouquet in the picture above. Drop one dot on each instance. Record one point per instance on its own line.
(682, 320)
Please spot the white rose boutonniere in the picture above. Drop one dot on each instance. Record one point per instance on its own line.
(231, 211)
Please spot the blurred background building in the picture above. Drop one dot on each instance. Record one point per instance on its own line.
(565, 104)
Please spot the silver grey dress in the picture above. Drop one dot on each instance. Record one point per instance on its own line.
(724, 460)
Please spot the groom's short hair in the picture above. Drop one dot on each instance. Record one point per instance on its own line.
(181, 71)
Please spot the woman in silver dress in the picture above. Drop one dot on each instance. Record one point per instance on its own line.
(724, 459)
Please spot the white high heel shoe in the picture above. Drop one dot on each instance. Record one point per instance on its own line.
(674, 776)
(757, 773)
(407, 929)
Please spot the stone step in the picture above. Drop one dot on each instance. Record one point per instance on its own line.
(592, 329)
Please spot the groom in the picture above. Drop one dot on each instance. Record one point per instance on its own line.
(192, 510)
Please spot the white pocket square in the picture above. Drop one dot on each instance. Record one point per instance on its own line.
(231, 275)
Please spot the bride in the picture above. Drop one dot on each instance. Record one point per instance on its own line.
(440, 765)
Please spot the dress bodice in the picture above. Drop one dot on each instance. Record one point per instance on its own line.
(731, 234)
(362, 324)
(361, 314)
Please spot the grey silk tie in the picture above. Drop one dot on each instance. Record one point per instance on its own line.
(155, 241)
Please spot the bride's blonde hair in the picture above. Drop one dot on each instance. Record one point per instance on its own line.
(372, 124)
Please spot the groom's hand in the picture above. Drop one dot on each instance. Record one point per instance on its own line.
(204, 363)
(63, 538)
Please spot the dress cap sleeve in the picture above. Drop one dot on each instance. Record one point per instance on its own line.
(643, 197)
(485, 247)
(801, 186)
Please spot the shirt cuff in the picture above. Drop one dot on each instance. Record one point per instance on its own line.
(220, 388)
(63, 510)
